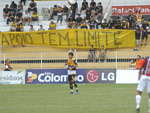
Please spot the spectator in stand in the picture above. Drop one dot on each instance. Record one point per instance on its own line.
(92, 9)
(41, 28)
(74, 9)
(125, 25)
(6, 11)
(79, 20)
(137, 36)
(102, 54)
(32, 6)
(93, 3)
(145, 28)
(70, 21)
(92, 54)
(99, 20)
(13, 7)
(138, 62)
(121, 17)
(26, 17)
(130, 19)
(52, 26)
(139, 17)
(92, 23)
(111, 23)
(149, 22)
(11, 17)
(66, 12)
(20, 6)
(105, 25)
(88, 13)
(74, 25)
(132, 65)
(20, 27)
(113, 27)
(35, 17)
(23, 1)
(31, 28)
(54, 13)
(84, 25)
(19, 16)
(99, 8)
(118, 23)
(84, 6)
(13, 26)
(60, 14)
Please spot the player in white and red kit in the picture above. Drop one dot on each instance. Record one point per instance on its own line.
(144, 82)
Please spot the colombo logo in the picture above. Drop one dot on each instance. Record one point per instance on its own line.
(92, 76)
(31, 77)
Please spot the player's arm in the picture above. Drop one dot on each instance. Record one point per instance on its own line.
(140, 69)
(73, 67)
(68, 62)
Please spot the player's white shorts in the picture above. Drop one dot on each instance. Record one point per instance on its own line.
(71, 72)
(144, 83)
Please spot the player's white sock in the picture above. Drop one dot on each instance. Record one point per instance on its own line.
(77, 89)
(138, 101)
(71, 91)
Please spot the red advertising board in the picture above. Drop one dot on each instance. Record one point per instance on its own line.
(145, 9)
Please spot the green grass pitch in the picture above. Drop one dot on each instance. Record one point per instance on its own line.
(93, 98)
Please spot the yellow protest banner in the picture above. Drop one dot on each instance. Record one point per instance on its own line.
(71, 38)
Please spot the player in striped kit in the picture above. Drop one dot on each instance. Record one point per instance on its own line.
(71, 68)
(144, 82)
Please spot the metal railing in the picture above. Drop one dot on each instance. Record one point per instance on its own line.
(53, 60)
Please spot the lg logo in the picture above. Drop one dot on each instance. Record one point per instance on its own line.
(92, 76)
(109, 77)
(101, 76)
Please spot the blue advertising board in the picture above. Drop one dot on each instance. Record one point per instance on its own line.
(52, 76)
(59, 76)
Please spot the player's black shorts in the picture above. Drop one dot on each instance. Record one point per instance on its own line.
(71, 77)
(144, 35)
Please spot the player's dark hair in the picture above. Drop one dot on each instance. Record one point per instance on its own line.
(71, 53)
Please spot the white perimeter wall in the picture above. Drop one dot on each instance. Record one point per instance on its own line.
(127, 76)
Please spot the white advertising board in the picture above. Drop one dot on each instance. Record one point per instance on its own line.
(12, 77)
(127, 77)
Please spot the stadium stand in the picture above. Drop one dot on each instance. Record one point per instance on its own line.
(40, 5)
